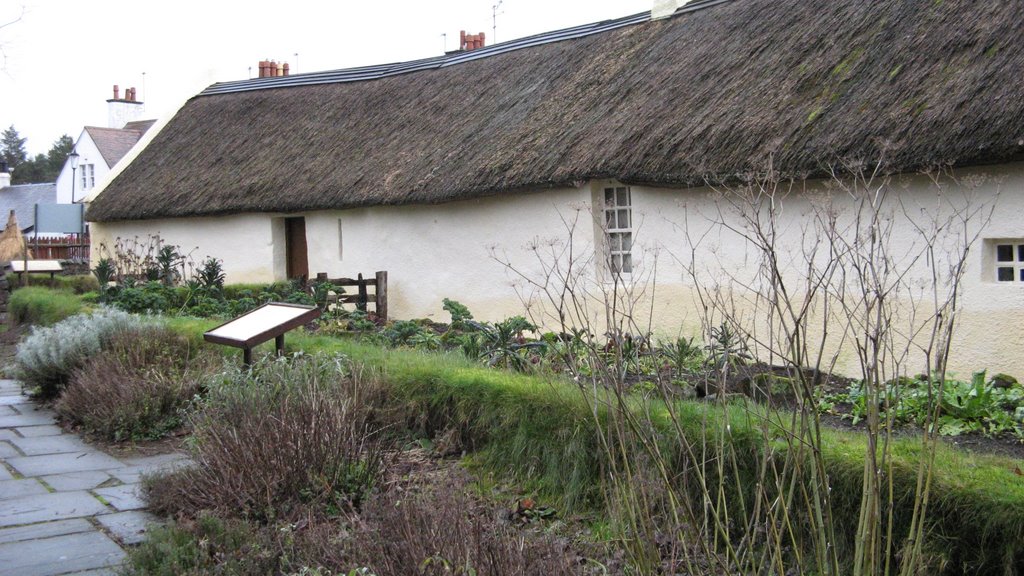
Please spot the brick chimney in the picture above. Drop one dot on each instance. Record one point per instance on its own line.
(470, 41)
(272, 69)
(5, 174)
(121, 111)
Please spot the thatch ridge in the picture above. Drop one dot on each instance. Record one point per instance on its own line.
(674, 102)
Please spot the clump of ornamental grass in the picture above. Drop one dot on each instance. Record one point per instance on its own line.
(138, 387)
(47, 358)
(42, 306)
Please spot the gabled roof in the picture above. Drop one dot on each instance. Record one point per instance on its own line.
(22, 198)
(114, 143)
(713, 92)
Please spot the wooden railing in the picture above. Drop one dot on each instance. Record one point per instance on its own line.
(362, 297)
(72, 247)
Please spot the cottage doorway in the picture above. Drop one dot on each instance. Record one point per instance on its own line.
(296, 260)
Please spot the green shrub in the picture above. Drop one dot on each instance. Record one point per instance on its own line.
(48, 357)
(78, 283)
(138, 387)
(42, 306)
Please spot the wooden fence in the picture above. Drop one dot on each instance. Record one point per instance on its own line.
(362, 297)
(74, 247)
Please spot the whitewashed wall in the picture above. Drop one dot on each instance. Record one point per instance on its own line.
(88, 154)
(245, 243)
(457, 250)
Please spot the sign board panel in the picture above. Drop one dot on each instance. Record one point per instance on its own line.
(60, 218)
(36, 266)
(259, 325)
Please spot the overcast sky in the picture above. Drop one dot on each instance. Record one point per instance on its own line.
(61, 59)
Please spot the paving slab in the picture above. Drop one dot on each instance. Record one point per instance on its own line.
(29, 418)
(71, 481)
(60, 554)
(45, 530)
(6, 410)
(97, 572)
(7, 450)
(132, 474)
(123, 497)
(40, 430)
(10, 489)
(129, 527)
(5, 474)
(44, 507)
(8, 434)
(61, 444)
(8, 399)
(74, 462)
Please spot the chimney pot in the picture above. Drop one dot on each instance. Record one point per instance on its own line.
(117, 92)
(286, 69)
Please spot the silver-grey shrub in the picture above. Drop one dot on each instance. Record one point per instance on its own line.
(46, 359)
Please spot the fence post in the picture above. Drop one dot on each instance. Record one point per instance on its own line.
(382, 295)
(361, 304)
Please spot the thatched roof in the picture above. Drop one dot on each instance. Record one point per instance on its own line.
(710, 93)
(12, 241)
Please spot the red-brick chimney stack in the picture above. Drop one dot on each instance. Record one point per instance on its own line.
(470, 41)
(129, 94)
(271, 69)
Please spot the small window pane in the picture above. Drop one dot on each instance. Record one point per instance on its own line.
(624, 218)
(1004, 274)
(616, 262)
(1022, 274)
(610, 217)
(609, 196)
(1020, 252)
(1004, 253)
(627, 242)
(615, 242)
(627, 263)
(622, 195)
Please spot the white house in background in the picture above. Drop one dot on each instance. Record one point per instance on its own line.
(428, 169)
(99, 149)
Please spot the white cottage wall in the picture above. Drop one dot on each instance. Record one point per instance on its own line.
(432, 252)
(436, 251)
(245, 242)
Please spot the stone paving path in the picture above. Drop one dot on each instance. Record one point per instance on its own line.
(65, 507)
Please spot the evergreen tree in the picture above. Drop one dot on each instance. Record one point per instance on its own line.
(12, 148)
(58, 155)
(32, 171)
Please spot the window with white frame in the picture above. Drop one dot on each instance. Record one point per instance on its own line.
(1009, 260)
(88, 176)
(618, 225)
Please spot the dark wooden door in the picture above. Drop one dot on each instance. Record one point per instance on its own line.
(296, 262)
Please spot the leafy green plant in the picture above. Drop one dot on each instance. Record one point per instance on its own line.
(682, 355)
(503, 343)
(727, 349)
(104, 272)
(210, 275)
(978, 405)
